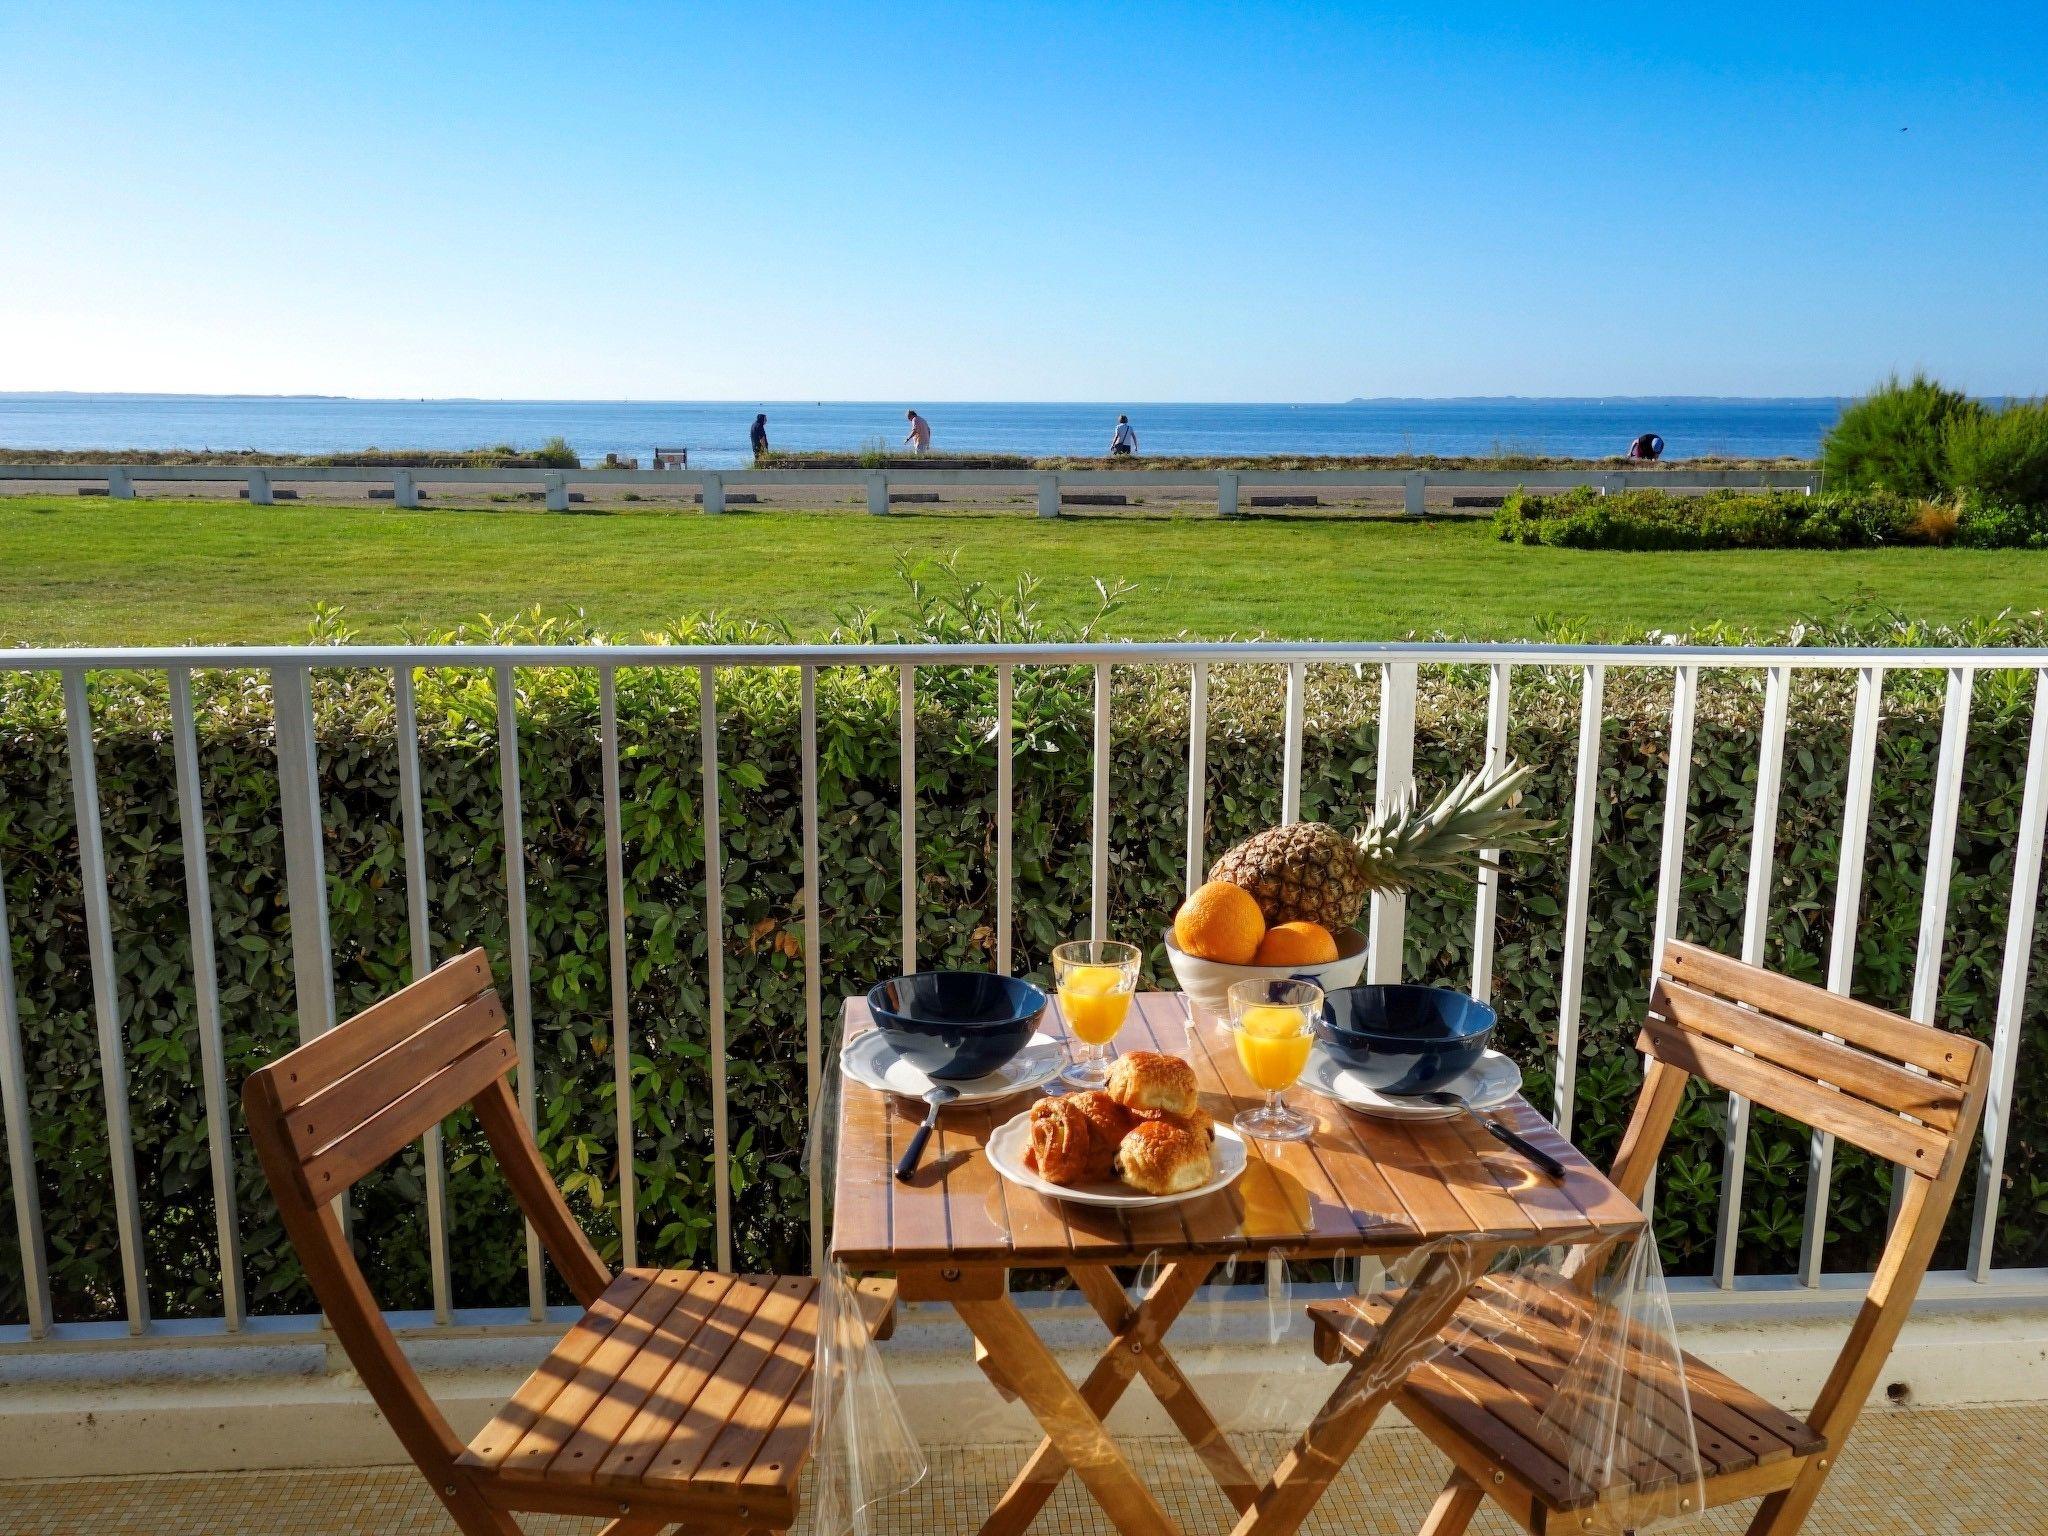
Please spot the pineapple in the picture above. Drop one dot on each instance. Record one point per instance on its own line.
(1311, 872)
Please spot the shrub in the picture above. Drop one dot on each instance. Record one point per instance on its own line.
(1986, 524)
(760, 808)
(2002, 455)
(1896, 438)
(556, 453)
(1581, 518)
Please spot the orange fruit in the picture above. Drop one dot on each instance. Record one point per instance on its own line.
(1296, 944)
(1220, 921)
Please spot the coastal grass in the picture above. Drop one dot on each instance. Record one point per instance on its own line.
(102, 572)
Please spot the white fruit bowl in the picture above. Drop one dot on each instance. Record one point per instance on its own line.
(1207, 981)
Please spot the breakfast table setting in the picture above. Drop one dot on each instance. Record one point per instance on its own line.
(1177, 1158)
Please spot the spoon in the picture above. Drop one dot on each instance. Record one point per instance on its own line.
(1528, 1149)
(936, 1098)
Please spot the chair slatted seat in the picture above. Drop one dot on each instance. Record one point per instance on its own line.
(680, 1398)
(1900, 1090)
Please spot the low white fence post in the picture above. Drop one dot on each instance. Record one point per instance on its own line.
(1048, 495)
(405, 491)
(119, 486)
(878, 493)
(259, 488)
(714, 495)
(1411, 493)
(1226, 493)
(557, 491)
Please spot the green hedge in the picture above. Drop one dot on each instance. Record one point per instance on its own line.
(1582, 518)
(859, 915)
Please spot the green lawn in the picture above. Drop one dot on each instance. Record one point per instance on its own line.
(99, 572)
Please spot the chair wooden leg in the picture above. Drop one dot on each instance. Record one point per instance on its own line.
(1454, 1508)
(1784, 1513)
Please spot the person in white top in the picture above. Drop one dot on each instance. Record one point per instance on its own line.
(1123, 442)
(920, 434)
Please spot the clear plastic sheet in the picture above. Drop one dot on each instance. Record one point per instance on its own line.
(1218, 1374)
(1570, 1353)
(863, 1452)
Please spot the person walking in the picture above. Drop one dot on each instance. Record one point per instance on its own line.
(758, 436)
(919, 436)
(1123, 442)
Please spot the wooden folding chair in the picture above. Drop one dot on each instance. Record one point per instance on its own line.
(1901, 1090)
(678, 1399)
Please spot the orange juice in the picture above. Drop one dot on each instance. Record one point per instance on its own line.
(1273, 1042)
(1094, 999)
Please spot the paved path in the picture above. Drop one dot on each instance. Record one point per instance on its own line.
(1922, 1472)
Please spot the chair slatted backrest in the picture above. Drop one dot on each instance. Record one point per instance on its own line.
(1901, 1090)
(1884, 1083)
(341, 1105)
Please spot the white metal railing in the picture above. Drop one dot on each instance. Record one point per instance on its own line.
(289, 671)
(1048, 486)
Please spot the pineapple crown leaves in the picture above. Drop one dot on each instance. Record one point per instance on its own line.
(1482, 811)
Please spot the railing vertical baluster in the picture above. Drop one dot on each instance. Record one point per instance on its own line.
(1395, 774)
(814, 986)
(1098, 860)
(1486, 899)
(714, 955)
(305, 850)
(1945, 804)
(1946, 797)
(1820, 1156)
(21, 1162)
(1198, 773)
(1290, 744)
(1578, 892)
(520, 944)
(2012, 986)
(1685, 687)
(1763, 843)
(206, 997)
(412, 821)
(1006, 811)
(99, 933)
(615, 932)
(906, 773)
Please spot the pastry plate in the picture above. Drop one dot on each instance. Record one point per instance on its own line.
(1489, 1083)
(869, 1058)
(1006, 1149)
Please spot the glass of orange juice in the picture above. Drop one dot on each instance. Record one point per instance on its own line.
(1096, 978)
(1273, 1024)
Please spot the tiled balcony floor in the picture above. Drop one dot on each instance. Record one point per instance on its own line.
(1925, 1472)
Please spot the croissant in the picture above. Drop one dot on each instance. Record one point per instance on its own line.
(1063, 1143)
(1161, 1158)
(1148, 1080)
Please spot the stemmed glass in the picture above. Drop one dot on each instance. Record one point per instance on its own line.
(1096, 978)
(1273, 1024)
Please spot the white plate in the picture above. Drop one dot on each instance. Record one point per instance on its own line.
(870, 1059)
(1488, 1083)
(1012, 1138)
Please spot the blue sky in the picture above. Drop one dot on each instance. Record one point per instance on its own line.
(1245, 202)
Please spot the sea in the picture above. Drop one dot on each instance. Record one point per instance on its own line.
(715, 431)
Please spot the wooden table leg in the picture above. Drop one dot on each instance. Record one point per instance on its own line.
(1424, 1310)
(1176, 1394)
(1072, 1426)
(1135, 1339)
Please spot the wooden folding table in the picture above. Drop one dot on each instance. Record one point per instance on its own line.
(1360, 1187)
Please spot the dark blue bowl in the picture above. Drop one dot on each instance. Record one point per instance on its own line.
(956, 1024)
(1404, 1039)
